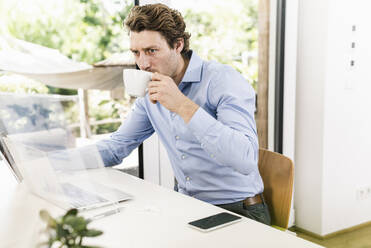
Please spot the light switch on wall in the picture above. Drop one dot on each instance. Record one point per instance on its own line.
(350, 78)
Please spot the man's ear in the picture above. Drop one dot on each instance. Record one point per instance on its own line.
(179, 44)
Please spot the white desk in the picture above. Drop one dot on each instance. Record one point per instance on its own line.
(157, 217)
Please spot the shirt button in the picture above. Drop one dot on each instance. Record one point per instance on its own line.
(177, 137)
(202, 145)
(212, 155)
(183, 156)
(187, 178)
(173, 114)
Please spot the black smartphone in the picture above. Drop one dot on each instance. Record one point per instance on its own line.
(214, 221)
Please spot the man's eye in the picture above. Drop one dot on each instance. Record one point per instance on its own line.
(152, 50)
(136, 53)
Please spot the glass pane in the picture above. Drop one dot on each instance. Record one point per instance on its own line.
(225, 31)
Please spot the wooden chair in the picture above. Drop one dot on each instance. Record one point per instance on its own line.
(277, 172)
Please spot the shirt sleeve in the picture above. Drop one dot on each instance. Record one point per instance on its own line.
(135, 129)
(231, 137)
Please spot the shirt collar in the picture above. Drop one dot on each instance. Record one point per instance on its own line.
(194, 69)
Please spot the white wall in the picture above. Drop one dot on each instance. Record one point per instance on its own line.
(291, 29)
(272, 71)
(333, 120)
(309, 114)
(157, 167)
(151, 159)
(289, 104)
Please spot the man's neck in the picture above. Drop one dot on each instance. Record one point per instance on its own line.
(183, 64)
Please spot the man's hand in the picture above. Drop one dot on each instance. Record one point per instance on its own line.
(163, 89)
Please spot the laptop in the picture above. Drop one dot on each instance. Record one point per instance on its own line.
(66, 189)
(8, 160)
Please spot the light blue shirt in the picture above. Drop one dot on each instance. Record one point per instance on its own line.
(214, 156)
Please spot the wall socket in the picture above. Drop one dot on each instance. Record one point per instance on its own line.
(363, 193)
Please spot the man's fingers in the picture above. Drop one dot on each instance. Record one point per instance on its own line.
(152, 89)
(157, 76)
(153, 97)
(153, 84)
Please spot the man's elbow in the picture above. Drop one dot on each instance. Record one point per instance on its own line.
(248, 161)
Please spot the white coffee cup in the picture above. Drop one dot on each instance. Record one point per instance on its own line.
(136, 81)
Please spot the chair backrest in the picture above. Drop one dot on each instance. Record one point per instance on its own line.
(277, 172)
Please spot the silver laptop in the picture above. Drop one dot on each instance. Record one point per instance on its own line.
(8, 160)
(66, 189)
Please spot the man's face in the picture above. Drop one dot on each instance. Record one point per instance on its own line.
(152, 53)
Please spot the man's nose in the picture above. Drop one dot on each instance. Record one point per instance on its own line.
(144, 62)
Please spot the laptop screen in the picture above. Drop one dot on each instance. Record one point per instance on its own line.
(63, 177)
(8, 160)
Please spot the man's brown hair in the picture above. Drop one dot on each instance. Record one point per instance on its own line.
(160, 18)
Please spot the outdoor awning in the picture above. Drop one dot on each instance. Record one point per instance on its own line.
(52, 68)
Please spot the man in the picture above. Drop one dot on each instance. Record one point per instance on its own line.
(203, 112)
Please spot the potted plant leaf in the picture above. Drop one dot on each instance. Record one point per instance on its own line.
(67, 231)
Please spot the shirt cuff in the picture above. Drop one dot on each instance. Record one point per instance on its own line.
(200, 123)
